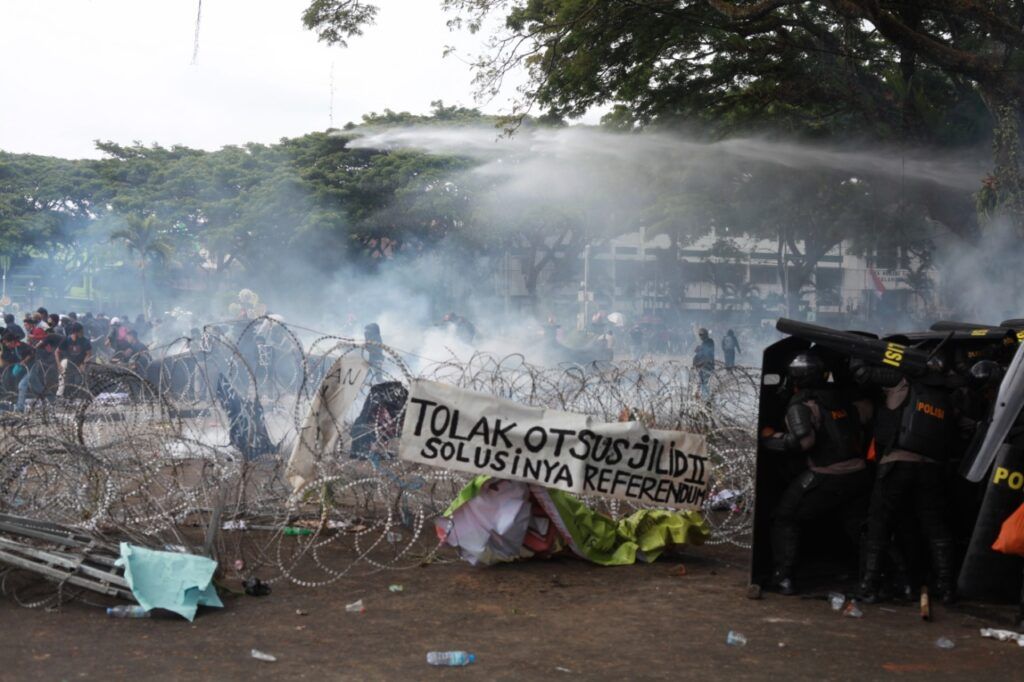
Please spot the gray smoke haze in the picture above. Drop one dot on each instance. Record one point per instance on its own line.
(600, 182)
(984, 283)
(548, 180)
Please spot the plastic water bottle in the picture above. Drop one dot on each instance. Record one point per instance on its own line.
(735, 638)
(450, 658)
(293, 531)
(128, 611)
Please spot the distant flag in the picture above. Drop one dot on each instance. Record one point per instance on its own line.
(877, 281)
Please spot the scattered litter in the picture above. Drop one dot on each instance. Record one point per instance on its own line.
(261, 656)
(239, 565)
(450, 658)
(836, 600)
(293, 530)
(128, 611)
(852, 610)
(111, 398)
(394, 538)
(679, 570)
(355, 607)
(395, 588)
(300, 612)
(782, 645)
(887, 609)
(254, 587)
(300, 627)
(945, 643)
(735, 638)
(1002, 635)
(181, 549)
(239, 524)
(562, 670)
(722, 500)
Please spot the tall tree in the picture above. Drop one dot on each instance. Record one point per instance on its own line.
(143, 237)
(876, 68)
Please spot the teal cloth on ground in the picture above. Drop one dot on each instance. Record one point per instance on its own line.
(169, 580)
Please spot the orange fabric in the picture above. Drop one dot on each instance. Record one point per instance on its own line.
(872, 452)
(1011, 535)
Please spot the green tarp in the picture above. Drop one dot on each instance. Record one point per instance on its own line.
(643, 535)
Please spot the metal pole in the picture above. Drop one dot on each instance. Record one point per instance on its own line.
(615, 284)
(586, 287)
(508, 284)
(785, 278)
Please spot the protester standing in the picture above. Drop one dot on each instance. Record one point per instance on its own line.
(730, 348)
(72, 355)
(704, 361)
(13, 327)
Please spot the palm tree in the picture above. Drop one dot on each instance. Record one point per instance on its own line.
(142, 237)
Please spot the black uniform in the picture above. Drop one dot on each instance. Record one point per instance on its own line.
(912, 439)
(836, 479)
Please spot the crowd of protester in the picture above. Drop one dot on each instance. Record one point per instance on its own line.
(47, 355)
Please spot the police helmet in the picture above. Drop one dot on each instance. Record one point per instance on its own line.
(984, 374)
(938, 363)
(807, 369)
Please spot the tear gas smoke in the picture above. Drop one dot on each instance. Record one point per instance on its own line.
(543, 183)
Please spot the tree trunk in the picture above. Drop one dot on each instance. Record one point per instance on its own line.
(142, 276)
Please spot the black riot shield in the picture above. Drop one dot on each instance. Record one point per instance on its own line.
(773, 471)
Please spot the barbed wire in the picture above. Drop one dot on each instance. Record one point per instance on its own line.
(186, 448)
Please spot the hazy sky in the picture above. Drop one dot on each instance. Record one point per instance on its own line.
(73, 71)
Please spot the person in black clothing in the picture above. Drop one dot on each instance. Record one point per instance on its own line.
(46, 356)
(730, 347)
(72, 355)
(827, 429)
(704, 362)
(914, 432)
(133, 352)
(54, 322)
(14, 351)
(13, 327)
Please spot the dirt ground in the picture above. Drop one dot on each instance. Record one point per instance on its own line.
(556, 619)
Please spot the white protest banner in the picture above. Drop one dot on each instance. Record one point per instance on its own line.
(321, 432)
(477, 433)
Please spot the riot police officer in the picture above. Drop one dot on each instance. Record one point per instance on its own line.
(913, 434)
(827, 429)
